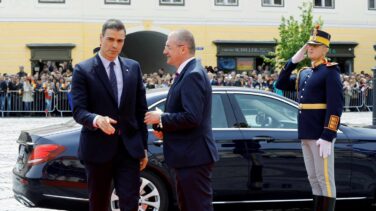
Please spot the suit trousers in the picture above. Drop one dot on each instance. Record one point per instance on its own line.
(320, 170)
(123, 172)
(194, 189)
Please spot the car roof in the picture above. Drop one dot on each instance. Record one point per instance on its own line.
(151, 93)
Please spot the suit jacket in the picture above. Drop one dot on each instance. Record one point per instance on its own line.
(321, 84)
(188, 138)
(92, 94)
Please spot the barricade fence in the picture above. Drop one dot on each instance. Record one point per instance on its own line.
(355, 100)
(35, 102)
(60, 102)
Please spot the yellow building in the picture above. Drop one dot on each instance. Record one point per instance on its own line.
(231, 34)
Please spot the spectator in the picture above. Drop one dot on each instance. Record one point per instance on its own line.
(21, 72)
(27, 96)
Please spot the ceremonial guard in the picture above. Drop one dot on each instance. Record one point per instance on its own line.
(320, 98)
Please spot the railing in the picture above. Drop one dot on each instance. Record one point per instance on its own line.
(60, 102)
(356, 100)
(32, 102)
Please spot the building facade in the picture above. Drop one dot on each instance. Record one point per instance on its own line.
(230, 34)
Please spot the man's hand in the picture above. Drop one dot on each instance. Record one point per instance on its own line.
(105, 124)
(144, 161)
(299, 56)
(158, 134)
(153, 117)
(325, 147)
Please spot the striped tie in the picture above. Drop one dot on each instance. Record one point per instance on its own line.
(113, 80)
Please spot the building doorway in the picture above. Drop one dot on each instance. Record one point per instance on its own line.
(147, 47)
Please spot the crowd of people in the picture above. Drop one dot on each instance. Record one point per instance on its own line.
(30, 90)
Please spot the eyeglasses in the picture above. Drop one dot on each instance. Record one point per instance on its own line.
(170, 48)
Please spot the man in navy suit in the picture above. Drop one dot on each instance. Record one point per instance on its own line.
(109, 101)
(185, 125)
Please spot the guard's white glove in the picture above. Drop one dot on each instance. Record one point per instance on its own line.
(325, 147)
(299, 56)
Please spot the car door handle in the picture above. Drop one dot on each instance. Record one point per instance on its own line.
(158, 142)
(263, 138)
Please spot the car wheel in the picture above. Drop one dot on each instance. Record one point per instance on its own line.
(153, 194)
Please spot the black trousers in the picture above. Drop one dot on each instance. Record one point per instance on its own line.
(123, 172)
(194, 188)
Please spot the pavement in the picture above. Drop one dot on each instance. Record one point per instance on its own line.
(10, 129)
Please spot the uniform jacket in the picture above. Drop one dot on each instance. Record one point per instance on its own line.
(188, 138)
(92, 94)
(321, 84)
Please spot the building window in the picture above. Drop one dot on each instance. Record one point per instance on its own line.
(324, 4)
(226, 2)
(372, 4)
(272, 3)
(52, 1)
(172, 2)
(117, 1)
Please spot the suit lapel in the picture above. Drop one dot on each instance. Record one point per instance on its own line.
(180, 77)
(102, 75)
(125, 73)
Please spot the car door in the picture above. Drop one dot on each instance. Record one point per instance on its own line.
(230, 173)
(273, 149)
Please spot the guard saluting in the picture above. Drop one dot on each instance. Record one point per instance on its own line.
(320, 100)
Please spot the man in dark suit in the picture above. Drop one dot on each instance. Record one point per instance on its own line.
(185, 125)
(109, 101)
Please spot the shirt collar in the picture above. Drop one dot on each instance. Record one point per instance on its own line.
(106, 62)
(181, 67)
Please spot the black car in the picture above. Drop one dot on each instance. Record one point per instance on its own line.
(261, 161)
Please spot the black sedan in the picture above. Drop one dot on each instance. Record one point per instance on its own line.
(261, 161)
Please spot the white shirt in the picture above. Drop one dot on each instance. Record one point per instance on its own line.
(181, 67)
(118, 73)
(119, 78)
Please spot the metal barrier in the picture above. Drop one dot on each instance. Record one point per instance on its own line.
(291, 95)
(63, 102)
(356, 100)
(13, 103)
(368, 99)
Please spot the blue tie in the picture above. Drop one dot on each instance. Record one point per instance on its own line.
(113, 80)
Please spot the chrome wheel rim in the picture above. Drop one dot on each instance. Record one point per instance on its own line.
(149, 197)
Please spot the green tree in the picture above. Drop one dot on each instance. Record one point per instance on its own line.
(293, 35)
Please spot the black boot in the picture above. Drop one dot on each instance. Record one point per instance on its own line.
(328, 203)
(317, 203)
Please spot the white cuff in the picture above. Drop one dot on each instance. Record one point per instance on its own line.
(95, 121)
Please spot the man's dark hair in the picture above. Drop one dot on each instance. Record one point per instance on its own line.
(113, 24)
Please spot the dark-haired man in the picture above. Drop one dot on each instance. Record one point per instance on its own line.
(109, 101)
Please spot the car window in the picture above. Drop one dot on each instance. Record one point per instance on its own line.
(266, 112)
(218, 115)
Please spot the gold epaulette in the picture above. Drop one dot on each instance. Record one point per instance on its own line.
(297, 79)
(331, 64)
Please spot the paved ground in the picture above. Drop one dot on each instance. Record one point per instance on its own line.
(10, 129)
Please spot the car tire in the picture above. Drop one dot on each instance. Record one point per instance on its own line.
(153, 192)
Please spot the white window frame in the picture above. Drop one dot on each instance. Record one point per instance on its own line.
(51, 1)
(369, 5)
(323, 6)
(171, 3)
(126, 2)
(226, 3)
(272, 4)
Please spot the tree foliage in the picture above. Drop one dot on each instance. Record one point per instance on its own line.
(293, 35)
